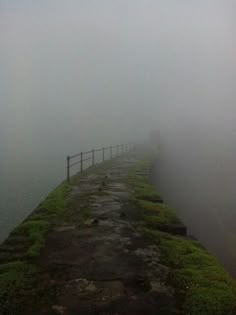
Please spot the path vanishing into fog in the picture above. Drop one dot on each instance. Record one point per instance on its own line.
(100, 263)
(106, 244)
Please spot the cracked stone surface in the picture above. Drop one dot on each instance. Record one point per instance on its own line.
(101, 264)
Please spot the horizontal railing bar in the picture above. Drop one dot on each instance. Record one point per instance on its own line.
(87, 159)
(88, 152)
(113, 152)
(73, 156)
(106, 148)
(80, 161)
(75, 163)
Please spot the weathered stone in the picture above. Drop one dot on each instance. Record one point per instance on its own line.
(90, 222)
(65, 228)
(60, 310)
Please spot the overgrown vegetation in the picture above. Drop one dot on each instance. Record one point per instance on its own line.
(155, 212)
(15, 277)
(36, 226)
(35, 231)
(202, 285)
(56, 202)
(140, 183)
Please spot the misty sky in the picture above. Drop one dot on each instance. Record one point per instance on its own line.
(108, 70)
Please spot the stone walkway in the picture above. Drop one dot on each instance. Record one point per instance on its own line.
(99, 262)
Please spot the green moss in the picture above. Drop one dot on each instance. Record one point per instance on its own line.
(156, 214)
(149, 206)
(35, 231)
(202, 285)
(146, 193)
(141, 185)
(37, 225)
(56, 202)
(15, 277)
(215, 300)
(16, 266)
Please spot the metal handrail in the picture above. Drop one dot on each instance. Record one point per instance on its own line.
(124, 149)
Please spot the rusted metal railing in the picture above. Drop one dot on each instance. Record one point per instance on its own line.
(114, 151)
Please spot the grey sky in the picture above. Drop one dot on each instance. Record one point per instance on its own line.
(120, 65)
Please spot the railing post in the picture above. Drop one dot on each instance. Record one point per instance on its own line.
(111, 152)
(93, 157)
(68, 168)
(103, 154)
(81, 162)
(117, 149)
(122, 148)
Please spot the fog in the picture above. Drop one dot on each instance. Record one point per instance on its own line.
(81, 74)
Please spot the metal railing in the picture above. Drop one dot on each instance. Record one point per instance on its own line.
(113, 151)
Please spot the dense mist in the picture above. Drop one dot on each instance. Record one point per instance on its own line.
(81, 74)
(196, 174)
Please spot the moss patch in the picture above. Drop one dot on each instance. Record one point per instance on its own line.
(16, 280)
(202, 285)
(201, 281)
(37, 225)
(56, 202)
(154, 212)
(35, 231)
(141, 185)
